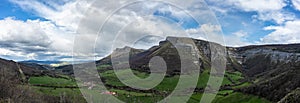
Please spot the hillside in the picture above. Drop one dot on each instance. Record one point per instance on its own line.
(274, 69)
(265, 73)
(270, 71)
(23, 84)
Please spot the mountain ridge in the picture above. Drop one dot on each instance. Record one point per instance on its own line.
(263, 65)
(271, 71)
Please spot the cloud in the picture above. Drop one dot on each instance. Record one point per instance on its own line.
(209, 31)
(42, 40)
(64, 18)
(26, 39)
(65, 13)
(278, 16)
(287, 33)
(296, 4)
(14, 33)
(54, 38)
(237, 39)
(259, 5)
(136, 23)
(267, 10)
(251, 5)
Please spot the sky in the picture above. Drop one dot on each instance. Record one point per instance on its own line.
(47, 29)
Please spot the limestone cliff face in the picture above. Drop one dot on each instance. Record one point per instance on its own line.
(274, 69)
(293, 97)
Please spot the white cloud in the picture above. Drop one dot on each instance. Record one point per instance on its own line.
(60, 30)
(237, 39)
(7, 52)
(17, 55)
(67, 15)
(209, 31)
(259, 5)
(279, 17)
(267, 10)
(288, 33)
(251, 5)
(241, 34)
(32, 37)
(296, 4)
(22, 32)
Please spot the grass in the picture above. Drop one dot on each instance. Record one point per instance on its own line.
(232, 97)
(225, 92)
(112, 79)
(50, 81)
(168, 83)
(103, 66)
(235, 76)
(57, 91)
(203, 79)
(139, 99)
(124, 92)
(245, 84)
(240, 98)
(226, 81)
(195, 98)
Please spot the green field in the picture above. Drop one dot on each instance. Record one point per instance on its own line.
(102, 67)
(166, 86)
(232, 97)
(57, 91)
(240, 98)
(50, 81)
(169, 83)
(235, 76)
(245, 84)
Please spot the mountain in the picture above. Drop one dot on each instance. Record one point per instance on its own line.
(37, 66)
(42, 62)
(268, 71)
(292, 97)
(274, 69)
(139, 59)
(20, 83)
(21, 71)
(43, 65)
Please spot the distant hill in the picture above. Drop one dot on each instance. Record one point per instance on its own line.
(42, 62)
(43, 65)
(21, 71)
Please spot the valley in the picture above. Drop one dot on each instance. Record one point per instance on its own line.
(254, 74)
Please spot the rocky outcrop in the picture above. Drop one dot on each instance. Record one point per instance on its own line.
(293, 97)
(274, 69)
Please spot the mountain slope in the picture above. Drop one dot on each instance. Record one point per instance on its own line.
(269, 71)
(274, 69)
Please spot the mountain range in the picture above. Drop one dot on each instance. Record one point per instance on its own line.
(272, 70)
(268, 71)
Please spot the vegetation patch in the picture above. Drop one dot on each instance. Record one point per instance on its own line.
(240, 98)
(245, 84)
(50, 81)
